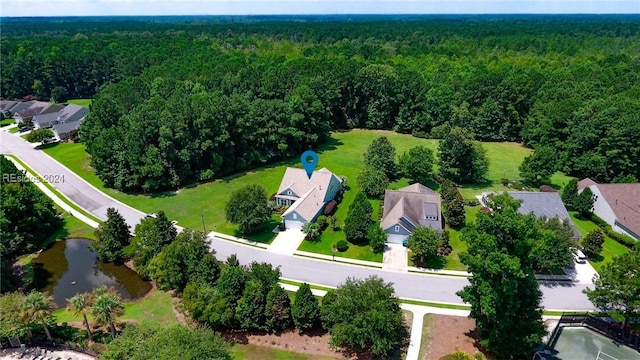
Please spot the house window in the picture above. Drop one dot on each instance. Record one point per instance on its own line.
(397, 228)
(295, 216)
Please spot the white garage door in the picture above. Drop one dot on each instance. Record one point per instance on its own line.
(292, 224)
(395, 239)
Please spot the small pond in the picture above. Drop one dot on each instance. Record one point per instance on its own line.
(70, 267)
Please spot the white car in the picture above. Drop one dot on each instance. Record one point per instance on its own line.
(580, 257)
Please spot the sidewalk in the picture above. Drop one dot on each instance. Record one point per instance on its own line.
(56, 199)
(221, 236)
(337, 259)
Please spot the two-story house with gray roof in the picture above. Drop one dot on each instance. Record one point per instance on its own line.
(410, 207)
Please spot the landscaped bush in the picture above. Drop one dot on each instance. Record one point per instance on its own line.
(625, 240)
(473, 202)
(547, 188)
(342, 246)
(39, 135)
(330, 207)
(322, 222)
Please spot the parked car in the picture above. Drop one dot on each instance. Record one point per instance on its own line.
(25, 128)
(580, 257)
(151, 215)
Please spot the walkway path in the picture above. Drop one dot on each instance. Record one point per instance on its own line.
(425, 287)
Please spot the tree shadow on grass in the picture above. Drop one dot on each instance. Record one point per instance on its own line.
(437, 263)
(264, 236)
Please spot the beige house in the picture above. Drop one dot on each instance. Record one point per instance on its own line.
(306, 197)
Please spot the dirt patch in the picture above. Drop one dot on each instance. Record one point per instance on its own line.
(451, 333)
(313, 342)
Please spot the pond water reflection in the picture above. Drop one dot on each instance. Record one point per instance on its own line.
(70, 267)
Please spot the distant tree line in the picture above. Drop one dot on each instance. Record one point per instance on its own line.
(182, 102)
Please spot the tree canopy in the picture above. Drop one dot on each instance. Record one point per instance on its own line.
(215, 97)
(112, 236)
(616, 287)
(27, 216)
(138, 342)
(364, 315)
(461, 159)
(356, 225)
(249, 208)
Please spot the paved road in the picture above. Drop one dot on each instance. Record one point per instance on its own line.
(439, 288)
(408, 285)
(76, 189)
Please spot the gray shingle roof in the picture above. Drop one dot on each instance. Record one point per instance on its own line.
(412, 206)
(543, 204)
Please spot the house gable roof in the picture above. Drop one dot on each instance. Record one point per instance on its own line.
(624, 200)
(39, 107)
(64, 128)
(586, 182)
(312, 191)
(411, 206)
(543, 204)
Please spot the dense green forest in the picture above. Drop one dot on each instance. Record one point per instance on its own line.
(177, 102)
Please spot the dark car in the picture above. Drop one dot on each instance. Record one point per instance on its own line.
(25, 128)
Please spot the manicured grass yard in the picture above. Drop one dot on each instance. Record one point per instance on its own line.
(6, 122)
(610, 248)
(342, 155)
(155, 308)
(14, 130)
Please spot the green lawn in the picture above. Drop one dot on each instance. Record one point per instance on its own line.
(255, 352)
(610, 248)
(155, 309)
(6, 122)
(14, 130)
(342, 155)
(81, 102)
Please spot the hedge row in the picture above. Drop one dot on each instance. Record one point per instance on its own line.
(625, 240)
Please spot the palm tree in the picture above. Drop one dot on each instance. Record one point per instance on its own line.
(78, 304)
(38, 307)
(105, 308)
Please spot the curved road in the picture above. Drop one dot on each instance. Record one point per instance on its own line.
(439, 288)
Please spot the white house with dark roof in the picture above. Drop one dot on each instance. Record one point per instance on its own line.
(407, 208)
(617, 204)
(306, 197)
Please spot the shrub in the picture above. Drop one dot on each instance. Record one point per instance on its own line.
(625, 240)
(473, 202)
(342, 246)
(39, 135)
(322, 222)
(547, 188)
(458, 355)
(330, 207)
(281, 226)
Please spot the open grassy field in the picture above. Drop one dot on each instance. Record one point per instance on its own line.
(610, 248)
(342, 155)
(81, 102)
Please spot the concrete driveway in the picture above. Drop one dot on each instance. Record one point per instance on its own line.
(287, 242)
(395, 258)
